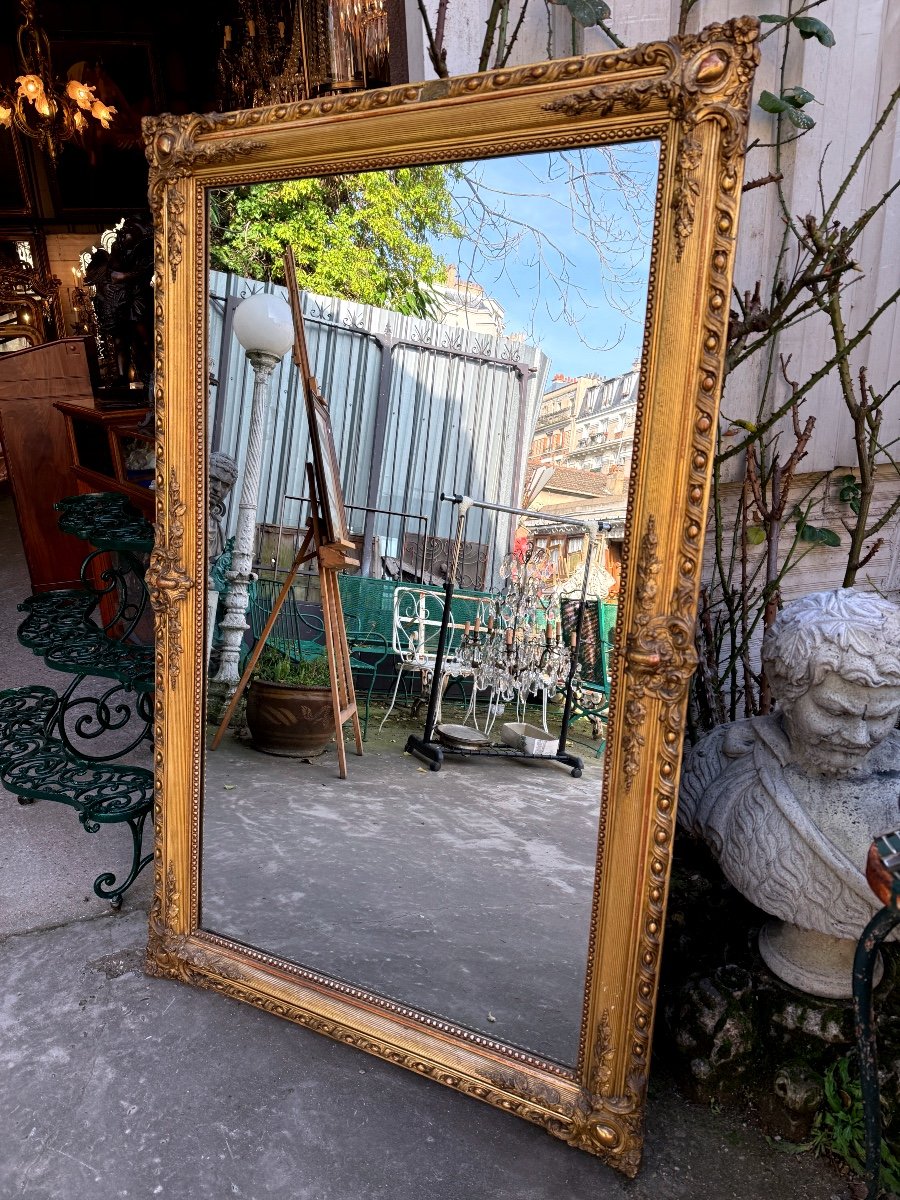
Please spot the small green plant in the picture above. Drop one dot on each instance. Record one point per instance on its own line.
(810, 533)
(839, 1127)
(851, 492)
(274, 666)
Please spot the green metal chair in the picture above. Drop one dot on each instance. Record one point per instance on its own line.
(300, 634)
(591, 690)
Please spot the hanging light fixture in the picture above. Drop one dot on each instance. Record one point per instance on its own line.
(37, 107)
(358, 42)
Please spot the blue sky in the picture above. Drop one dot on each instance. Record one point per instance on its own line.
(592, 211)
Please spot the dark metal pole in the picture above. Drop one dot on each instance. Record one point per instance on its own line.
(434, 696)
(864, 961)
(579, 625)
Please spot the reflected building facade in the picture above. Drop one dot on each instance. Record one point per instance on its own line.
(579, 464)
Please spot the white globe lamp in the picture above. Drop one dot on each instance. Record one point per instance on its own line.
(262, 324)
(265, 329)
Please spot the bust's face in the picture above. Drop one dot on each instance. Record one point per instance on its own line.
(218, 488)
(834, 725)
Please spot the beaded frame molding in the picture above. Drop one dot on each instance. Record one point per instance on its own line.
(692, 94)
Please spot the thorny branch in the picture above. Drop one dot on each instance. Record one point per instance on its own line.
(814, 267)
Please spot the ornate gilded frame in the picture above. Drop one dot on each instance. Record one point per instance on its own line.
(692, 93)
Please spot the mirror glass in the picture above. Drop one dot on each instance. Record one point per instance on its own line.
(475, 329)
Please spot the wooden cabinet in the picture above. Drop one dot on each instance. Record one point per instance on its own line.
(56, 443)
(100, 441)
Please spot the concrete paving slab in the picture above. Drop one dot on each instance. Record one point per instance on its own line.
(115, 1084)
(119, 1085)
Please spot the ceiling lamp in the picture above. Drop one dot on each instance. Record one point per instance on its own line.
(359, 43)
(36, 106)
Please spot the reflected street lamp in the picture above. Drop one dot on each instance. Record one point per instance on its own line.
(264, 328)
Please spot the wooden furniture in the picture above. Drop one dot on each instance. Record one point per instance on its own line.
(36, 448)
(97, 447)
(57, 442)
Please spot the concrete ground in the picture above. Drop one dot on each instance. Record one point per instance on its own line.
(465, 892)
(113, 1083)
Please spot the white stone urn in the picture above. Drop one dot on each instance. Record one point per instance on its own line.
(790, 803)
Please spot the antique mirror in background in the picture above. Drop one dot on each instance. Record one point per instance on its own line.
(514, 295)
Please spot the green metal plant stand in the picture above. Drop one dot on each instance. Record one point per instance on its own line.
(36, 766)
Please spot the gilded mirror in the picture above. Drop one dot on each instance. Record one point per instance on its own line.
(518, 334)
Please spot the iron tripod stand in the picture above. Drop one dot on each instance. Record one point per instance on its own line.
(423, 745)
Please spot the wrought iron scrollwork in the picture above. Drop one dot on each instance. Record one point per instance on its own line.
(34, 765)
(98, 717)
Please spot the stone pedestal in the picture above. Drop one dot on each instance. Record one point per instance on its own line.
(813, 962)
(732, 1031)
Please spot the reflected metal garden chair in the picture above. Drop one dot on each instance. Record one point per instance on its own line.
(418, 614)
(299, 633)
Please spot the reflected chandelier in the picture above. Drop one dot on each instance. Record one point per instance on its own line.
(38, 107)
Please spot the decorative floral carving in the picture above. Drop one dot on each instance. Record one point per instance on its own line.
(659, 654)
(601, 1060)
(174, 153)
(164, 946)
(605, 100)
(526, 1089)
(168, 583)
(708, 78)
(687, 189)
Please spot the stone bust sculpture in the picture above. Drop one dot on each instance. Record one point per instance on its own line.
(221, 479)
(789, 803)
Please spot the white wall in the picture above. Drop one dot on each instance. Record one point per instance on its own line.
(852, 80)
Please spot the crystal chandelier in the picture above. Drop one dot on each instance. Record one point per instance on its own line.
(359, 42)
(37, 107)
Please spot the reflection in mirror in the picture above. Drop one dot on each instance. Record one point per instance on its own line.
(476, 331)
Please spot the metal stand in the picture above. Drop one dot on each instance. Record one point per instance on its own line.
(424, 746)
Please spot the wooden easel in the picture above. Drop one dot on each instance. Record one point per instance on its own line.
(332, 556)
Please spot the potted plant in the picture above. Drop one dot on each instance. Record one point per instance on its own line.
(289, 709)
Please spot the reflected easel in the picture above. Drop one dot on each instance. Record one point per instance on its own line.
(326, 540)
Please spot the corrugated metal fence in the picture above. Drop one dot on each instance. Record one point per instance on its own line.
(418, 408)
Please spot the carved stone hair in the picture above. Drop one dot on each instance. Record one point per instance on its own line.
(855, 634)
(223, 466)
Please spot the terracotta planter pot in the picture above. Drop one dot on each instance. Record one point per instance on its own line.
(291, 721)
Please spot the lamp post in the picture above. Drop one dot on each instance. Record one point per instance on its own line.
(264, 328)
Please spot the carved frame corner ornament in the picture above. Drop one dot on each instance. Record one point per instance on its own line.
(692, 95)
(708, 77)
(173, 153)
